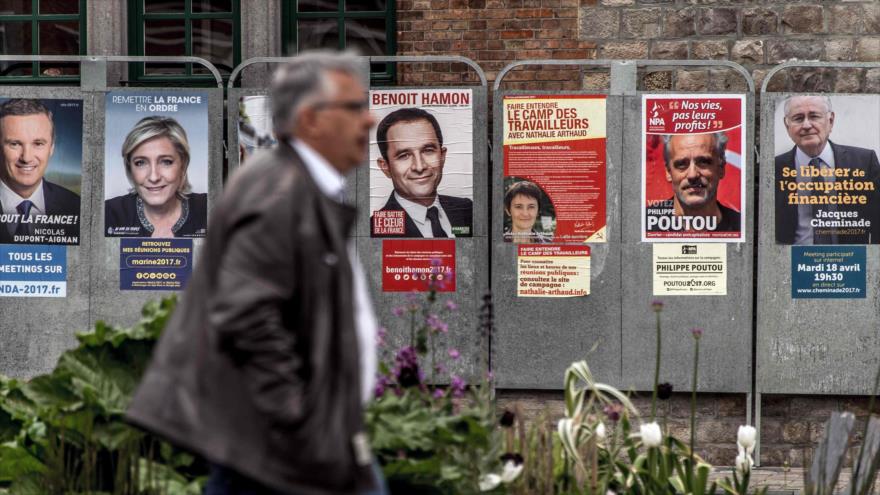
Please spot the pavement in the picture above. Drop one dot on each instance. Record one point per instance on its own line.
(783, 481)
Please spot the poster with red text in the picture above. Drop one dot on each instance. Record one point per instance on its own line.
(694, 159)
(418, 265)
(554, 168)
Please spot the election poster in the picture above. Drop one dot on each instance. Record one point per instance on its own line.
(156, 164)
(828, 272)
(554, 168)
(155, 264)
(421, 163)
(41, 176)
(694, 156)
(418, 265)
(33, 271)
(254, 126)
(690, 269)
(558, 270)
(826, 169)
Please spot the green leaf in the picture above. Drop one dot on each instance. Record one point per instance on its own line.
(16, 461)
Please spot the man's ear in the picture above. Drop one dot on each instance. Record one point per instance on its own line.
(721, 169)
(442, 155)
(668, 175)
(831, 119)
(383, 166)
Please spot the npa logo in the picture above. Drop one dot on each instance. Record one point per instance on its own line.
(655, 120)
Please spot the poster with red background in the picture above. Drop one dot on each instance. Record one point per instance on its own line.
(418, 265)
(666, 116)
(556, 143)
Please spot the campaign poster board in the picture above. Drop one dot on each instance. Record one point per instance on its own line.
(255, 130)
(418, 265)
(694, 159)
(421, 158)
(155, 264)
(156, 164)
(33, 270)
(555, 270)
(554, 168)
(698, 269)
(41, 175)
(828, 272)
(826, 169)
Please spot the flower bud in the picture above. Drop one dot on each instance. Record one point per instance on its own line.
(745, 438)
(650, 433)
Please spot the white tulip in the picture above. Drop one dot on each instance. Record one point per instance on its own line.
(599, 431)
(745, 438)
(650, 433)
(744, 463)
(510, 471)
(489, 482)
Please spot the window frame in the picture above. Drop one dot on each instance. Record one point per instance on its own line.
(290, 35)
(137, 18)
(35, 19)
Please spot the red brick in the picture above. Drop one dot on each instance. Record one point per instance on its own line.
(521, 33)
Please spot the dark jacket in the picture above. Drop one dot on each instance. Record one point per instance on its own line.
(845, 157)
(257, 369)
(121, 217)
(59, 201)
(459, 211)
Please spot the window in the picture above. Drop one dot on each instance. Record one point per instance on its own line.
(365, 25)
(209, 29)
(42, 27)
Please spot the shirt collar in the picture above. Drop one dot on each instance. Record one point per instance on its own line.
(416, 211)
(10, 200)
(827, 156)
(328, 179)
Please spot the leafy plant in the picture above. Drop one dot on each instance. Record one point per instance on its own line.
(63, 432)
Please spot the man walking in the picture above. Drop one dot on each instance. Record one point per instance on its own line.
(266, 364)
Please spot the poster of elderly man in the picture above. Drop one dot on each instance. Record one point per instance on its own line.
(693, 151)
(826, 169)
(156, 164)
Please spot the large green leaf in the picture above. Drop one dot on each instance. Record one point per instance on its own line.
(16, 462)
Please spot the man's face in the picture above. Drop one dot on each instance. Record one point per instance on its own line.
(339, 127)
(415, 160)
(809, 123)
(693, 170)
(27, 146)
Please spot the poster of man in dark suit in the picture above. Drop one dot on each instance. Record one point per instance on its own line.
(826, 192)
(33, 209)
(414, 156)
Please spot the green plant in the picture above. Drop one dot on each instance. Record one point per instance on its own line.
(63, 432)
(430, 438)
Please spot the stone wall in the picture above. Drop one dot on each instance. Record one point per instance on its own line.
(790, 428)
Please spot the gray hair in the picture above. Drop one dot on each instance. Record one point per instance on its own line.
(152, 127)
(719, 146)
(786, 105)
(304, 80)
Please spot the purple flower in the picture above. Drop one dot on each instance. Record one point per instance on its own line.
(435, 323)
(436, 262)
(413, 298)
(450, 305)
(439, 393)
(381, 333)
(454, 354)
(664, 391)
(457, 386)
(507, 419)
(398, 311)
(657, 305)
(697, 332)
(613, 411)
(440, 368)
(382, 383)
(407, 356)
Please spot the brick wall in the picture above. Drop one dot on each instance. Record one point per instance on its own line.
(791, 425)
(497, 32)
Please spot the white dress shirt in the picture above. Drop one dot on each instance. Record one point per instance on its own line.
(10, 201)
(804, 232)
(332, 184)
(419, 215)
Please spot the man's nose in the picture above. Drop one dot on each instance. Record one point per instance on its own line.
(27, 154)
(693, 172)
(419, 164)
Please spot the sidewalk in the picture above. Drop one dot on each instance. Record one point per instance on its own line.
(783, 481)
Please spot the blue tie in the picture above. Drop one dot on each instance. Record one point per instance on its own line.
(24, 209)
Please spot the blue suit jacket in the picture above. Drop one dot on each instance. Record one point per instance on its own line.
(845, 157)
(59, 201)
